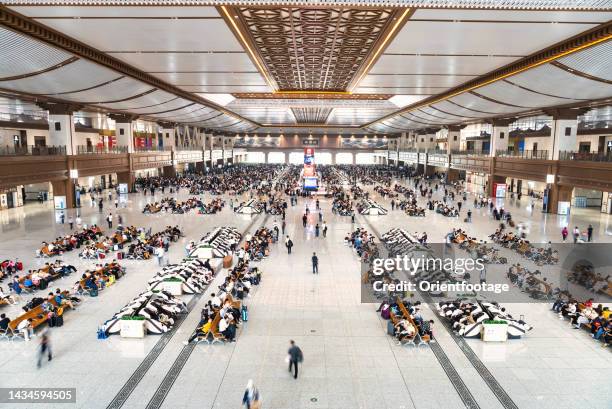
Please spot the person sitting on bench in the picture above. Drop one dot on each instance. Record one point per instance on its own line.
(4, 322)
(404, 330)
(25, 327)
(228, 329)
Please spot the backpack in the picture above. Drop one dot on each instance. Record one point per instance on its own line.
(386, 313)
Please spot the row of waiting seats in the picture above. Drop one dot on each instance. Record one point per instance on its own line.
(69, 242)
(467, 318)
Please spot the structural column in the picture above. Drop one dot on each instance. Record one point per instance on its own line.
(556, 194)
(499, 136)
(129, 178)
(564, 130)
(453, 138)
(124, 130)
(65, 188)
(492, 180)
(61, 125)
(286, 155)
(169, 171)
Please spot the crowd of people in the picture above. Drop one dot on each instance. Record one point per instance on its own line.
(171, 205)
(513, 241)
(69, 242)
(597, 320)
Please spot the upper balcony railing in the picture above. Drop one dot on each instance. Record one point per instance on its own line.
(470, 152)
(153, 148)
(586, 156)
(438, 151)
(30, 150)
(93, 150)
(537, 154)
(189, 148)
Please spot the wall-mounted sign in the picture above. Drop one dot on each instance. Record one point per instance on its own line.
(310, 142)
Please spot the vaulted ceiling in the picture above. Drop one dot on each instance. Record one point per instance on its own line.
(257, 65)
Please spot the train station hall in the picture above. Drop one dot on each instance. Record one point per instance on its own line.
(305, 204)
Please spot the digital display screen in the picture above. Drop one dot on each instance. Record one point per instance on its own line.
(310, 183)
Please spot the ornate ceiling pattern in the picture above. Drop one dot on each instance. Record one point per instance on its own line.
(311, 115)
(320, 49)
(451, 4)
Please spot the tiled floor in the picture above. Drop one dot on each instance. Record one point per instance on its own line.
(350, 362)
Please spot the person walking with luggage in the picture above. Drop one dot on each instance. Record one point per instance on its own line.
(315, 263)
(251, 396)
(295, 356)
(288, 244)
(45, 348)
(576, 234)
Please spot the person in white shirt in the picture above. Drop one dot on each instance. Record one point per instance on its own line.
(159, 253)
(216, 301)
(7, 297)
(26, 328)
(228, 329)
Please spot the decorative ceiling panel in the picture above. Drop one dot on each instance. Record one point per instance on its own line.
(314, 48)
(451, 4)
(310, 96)
(311, 115)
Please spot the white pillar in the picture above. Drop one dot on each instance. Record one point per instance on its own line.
(454, 138)
(61, 125)
(563, 135)
(499, 139)
(124, 131)
(62, 133)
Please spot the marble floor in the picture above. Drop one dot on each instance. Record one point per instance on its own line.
(350, 361)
